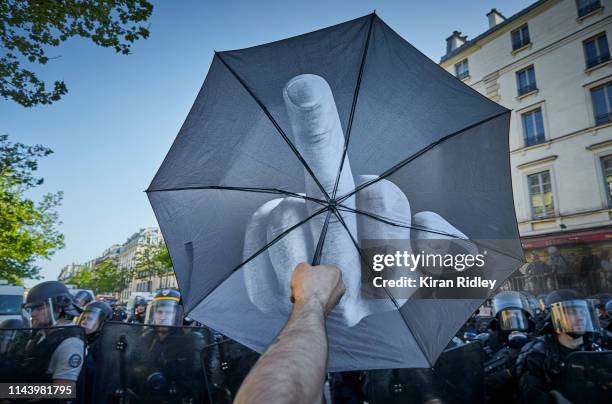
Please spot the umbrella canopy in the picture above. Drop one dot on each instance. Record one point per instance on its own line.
(308, 148)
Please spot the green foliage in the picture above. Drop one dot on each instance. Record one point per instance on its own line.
(28, 28)
(153, 261)
(27, 229)
(105, 277)
(81, 280)
(109, 278)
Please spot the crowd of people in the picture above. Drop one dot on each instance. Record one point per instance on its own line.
(523, 350)
(552, 269)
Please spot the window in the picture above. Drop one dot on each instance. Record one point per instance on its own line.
(596, 50)
(462, 69)
(540, 195)
(586, 6)
(602, 103)
(606, 169)
(520, 37)
(10, 304)
(533, 127)
(526, 81)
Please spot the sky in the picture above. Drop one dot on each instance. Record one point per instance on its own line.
(112, 130)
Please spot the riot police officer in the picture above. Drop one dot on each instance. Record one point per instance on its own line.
(140, 311)
(510, 330)
(173, 351)
(82, 298)
(54, 354)
(512, 314)
(119, 313)
(8, 332)
(540, 365)
(92, 319)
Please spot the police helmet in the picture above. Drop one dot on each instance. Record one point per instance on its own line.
(512, 311)
(12, 324)
(82, 298)
(47, 302)
(139, 301)
(8, 332)
(94, 315)
(165, 309)
(570, 313)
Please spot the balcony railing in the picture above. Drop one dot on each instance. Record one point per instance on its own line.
(527, 89)
(592, 6)
(589, 283)
(603, 119)
(597, 60)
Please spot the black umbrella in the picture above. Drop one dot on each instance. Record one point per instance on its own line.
(316, 148)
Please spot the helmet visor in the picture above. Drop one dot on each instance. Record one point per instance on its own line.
(164, 312)
(513, 320)
(572, 317)
(6, 339)
(510, 299)
(91, 320)
(41, 314)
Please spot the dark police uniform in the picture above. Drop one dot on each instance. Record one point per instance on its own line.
(170, 366)
(540, 367)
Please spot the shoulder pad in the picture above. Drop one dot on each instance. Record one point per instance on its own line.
(537, 345)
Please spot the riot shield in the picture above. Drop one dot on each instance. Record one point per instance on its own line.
(457, 377)
(588, 377)
(25, 353)
(150, 364)
(227, 363)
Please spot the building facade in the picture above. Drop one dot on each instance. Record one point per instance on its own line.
(550, 64)
(69, 271)
(125, 256)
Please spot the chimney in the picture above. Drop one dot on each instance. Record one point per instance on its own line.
(495, 17)
(455, 41)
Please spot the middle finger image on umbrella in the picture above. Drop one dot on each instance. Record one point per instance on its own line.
(301, 149)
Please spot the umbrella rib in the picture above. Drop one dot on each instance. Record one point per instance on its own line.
(318, 251)
(392, 223)
(417, 154)
(276, 125)
(425, 229)
(244, 189)
(349, 126)
(391, 297)
(262, 249)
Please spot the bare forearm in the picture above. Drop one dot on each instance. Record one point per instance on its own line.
(292, 370)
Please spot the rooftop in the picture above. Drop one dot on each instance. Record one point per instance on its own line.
(499, 26)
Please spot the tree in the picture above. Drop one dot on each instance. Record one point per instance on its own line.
(153, 261)
(105, 277)
(108, 277)
(82, 279)
(28, 230)
(28, 28)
